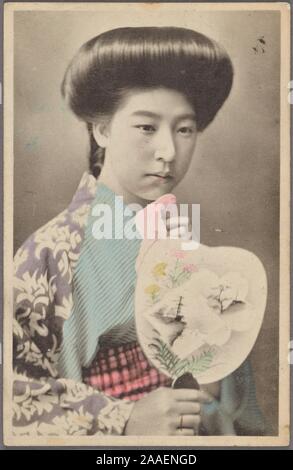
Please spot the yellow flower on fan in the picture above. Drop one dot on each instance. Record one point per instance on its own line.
(152, 289)
(160, 270)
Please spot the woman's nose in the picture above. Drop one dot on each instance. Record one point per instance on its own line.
(165, 147)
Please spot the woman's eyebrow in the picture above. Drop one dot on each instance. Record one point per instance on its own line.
(145, 114)
(150, 114)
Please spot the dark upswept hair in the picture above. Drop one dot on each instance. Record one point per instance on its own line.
(122, 59)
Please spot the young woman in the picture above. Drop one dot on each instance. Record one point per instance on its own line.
(145, 94)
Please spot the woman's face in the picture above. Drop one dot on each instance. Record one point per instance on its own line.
(149, 144)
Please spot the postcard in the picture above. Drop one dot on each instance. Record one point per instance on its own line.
(146, 224)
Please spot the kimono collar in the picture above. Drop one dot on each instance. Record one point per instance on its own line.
(85, 192)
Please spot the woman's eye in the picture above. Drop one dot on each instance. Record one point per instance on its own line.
(186, 130)
(146, 128)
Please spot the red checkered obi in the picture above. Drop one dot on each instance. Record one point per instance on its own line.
(124, 372)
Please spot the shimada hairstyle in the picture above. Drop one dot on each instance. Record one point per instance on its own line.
(109, 65)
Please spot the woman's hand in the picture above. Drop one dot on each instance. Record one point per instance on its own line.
(167, 412)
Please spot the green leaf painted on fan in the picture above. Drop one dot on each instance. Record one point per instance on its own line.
(175, 366)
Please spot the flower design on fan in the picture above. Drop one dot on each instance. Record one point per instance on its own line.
(153, 291)
(174, 273)
(159, 270)
(203, 311)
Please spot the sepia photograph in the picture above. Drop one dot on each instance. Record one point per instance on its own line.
(146, 224)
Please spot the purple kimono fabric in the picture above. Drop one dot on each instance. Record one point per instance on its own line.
(45, 404)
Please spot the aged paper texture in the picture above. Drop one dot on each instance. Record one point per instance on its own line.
(239, 175)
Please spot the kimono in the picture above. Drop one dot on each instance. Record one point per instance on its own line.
(57, 336)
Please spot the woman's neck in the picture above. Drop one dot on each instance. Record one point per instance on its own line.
(113, 184)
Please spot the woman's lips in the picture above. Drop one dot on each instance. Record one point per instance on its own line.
(160, 178)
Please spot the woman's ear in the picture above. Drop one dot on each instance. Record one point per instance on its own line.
(101, 133)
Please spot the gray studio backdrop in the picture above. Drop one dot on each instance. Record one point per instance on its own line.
(235, 171)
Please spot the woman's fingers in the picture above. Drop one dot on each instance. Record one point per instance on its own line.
(166, 411)
(186, 395)
(178, 227)
(175, 222)
(188, 408)
(181, 232)
(189, 422)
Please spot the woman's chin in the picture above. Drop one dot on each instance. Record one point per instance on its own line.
(153, 193)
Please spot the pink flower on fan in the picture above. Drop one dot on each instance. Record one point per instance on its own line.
(178, 254)
(190, 268)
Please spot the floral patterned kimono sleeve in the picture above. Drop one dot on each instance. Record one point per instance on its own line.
(44, 403)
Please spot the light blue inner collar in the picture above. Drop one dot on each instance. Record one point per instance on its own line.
(103, 285)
